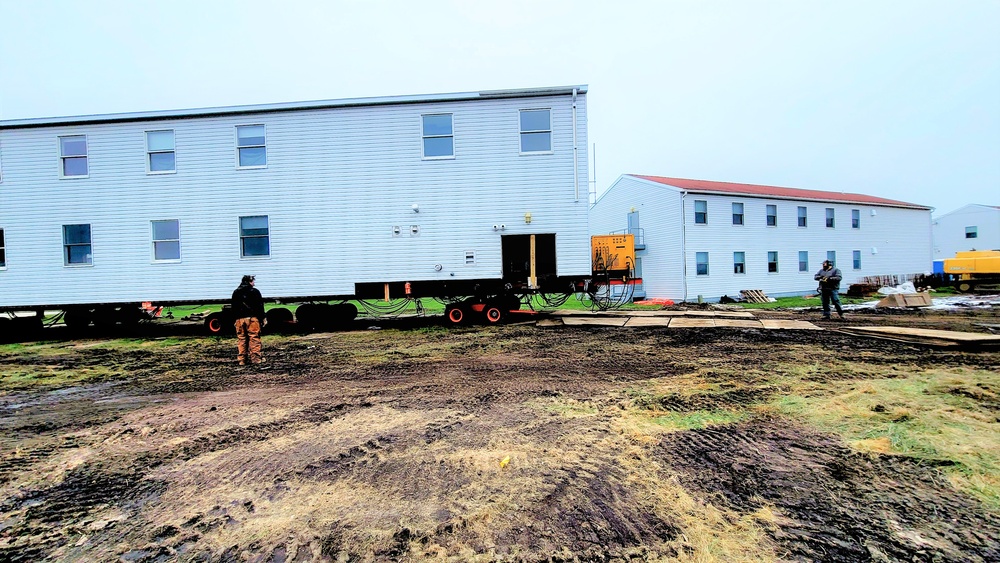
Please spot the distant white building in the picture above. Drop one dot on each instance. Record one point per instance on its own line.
(701, 238)
(973, 227)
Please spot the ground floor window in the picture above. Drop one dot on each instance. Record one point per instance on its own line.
(739, 263)
(255, 236)
(76, 245)
(166, 240)
(772, 261)
(857, 259)
(701, 263)
(831, 255)
(803, 260)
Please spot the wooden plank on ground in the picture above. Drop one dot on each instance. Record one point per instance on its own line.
(925, 335)
(649, 321)
(738, 323)
(786, 324)
(681, 322)
(594, 321)
(549, 322)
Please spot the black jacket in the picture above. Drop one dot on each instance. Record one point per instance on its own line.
(247, 302)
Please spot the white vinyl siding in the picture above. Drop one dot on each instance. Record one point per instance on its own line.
(971, 227)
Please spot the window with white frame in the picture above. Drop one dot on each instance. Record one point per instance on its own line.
(855, 218)
(536, 130)
(255, 237)
(3, 251)
(803, 260)
(830, 218)
(831, 255)
(739, 263)
(772, 216)
(251, 146)
(700, 212)
(701, 263)
(737, 213)
(77, 250)
(166, 240)
(972, 232)
(73, 156)
(160, 152)
(772, 261)
(857, 259)
(802, 216)
(438, 135)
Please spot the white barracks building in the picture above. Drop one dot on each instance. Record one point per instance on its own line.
(709, 239)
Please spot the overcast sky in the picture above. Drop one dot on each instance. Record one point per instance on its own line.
(898, 99)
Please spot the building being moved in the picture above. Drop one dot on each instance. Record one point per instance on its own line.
(432, 195)
(702, 238)
(972, 227)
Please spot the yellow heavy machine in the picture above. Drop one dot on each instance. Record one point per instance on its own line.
(975, 269)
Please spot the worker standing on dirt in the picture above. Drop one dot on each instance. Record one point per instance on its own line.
(248, 308)
(829, 288)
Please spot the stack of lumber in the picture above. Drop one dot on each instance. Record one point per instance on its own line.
(928, 337)
(753, 296)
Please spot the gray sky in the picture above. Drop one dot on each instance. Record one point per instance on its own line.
(895, 99)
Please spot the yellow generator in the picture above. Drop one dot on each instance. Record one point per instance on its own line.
(974, 268)
(613, 254)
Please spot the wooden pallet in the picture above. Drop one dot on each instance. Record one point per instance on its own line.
(754, 296)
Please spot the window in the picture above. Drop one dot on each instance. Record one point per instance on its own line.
(166, 240)
(772, 215)
(76, 245)
(803, 260)
(536, 130)
(700, 212)
(73, 154)
(831, 255)
(737, 213)
(772, 261)
(160, 152)
(739, 263)
(830, 218)
(251, 146)
(855, 218)
(254, 237)
(857, 259)
(3, 251)
(438, 136)
(802, 216)
(701, 263)
(971, 232)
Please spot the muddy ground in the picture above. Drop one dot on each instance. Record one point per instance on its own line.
(411, 442)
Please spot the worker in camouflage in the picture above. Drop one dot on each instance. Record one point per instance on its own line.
(248, 308)
(829, 288)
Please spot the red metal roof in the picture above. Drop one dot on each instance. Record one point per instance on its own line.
(706, 186)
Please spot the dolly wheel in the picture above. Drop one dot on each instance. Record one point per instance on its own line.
(964, 287)
(455, 315)
(214, 323)
(493, 314)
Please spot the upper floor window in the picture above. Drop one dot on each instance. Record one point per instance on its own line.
(700, 212)
(830, 218)
(803, 260)
(438, 136)
(772, 215)
(166, 240)
(802, 216)
(971, 232)
(737, 213)
(739, 263)
(701, 263)
(831, 255)
(76, 245)
(857, 259)
(772, 261)
(855, 218)
(160, 152)
(536, 130)
(251, 146)
(3, 251)
(255, 236)
(73, 156)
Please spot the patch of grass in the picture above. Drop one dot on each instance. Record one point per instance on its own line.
(939, 416)
(803, 301)
(42, 377)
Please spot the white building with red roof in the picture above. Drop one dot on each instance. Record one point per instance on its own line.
(702, 238)
(973, 227)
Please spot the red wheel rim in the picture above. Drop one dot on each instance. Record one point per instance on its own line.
(456, 315)
(493, 314)
(214, 325)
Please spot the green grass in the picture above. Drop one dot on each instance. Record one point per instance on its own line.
(803, 301)
(698, 419)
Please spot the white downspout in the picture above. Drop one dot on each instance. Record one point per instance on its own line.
(576, 166)
(684, 274)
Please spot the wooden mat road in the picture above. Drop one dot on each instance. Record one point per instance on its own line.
(671, 319)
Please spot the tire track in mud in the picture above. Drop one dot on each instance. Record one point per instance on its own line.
(833, 504)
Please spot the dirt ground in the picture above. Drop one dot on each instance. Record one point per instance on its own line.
(412, 442)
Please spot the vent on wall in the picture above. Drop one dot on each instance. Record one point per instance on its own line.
(470, 257)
